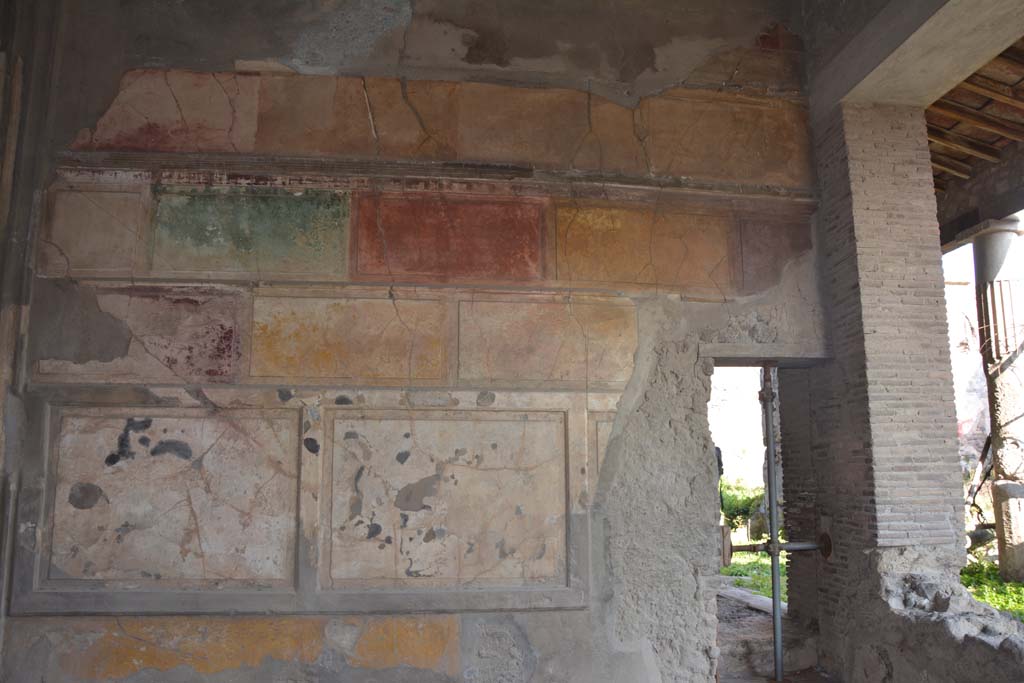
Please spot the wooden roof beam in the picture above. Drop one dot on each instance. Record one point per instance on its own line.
(965, 145)
(951, 166)
(993, 90)
(978, 120)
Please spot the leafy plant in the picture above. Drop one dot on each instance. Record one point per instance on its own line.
(739, 502)
(984, 583)
(754, 572)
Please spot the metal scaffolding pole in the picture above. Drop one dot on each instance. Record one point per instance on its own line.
(774, 547)
(767, 396)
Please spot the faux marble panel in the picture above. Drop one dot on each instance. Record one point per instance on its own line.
(768, 245)
(179, 111)
(448, 238)
(132, 333)
(442, 498)
(546, 343)
(721, 137)
(322, 115)
(500, 123)
(696, 252)
(244, 233)
(91, 231)
(156, 496)
(381, 339)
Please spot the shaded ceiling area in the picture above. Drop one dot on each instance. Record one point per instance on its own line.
(972, 123)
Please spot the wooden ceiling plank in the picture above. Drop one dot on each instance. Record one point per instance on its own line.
(949, 169)
(979, 120)
(949, 162)
(1009, 64)
(1001, 93)
(951, 140)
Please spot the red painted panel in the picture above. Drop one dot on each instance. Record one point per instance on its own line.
(445, 238)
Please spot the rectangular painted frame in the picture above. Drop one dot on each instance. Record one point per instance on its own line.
(33, 594)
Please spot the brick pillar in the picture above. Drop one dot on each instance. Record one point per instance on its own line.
(881, 433)
(1001, 335)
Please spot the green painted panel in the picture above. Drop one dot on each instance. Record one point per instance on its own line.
(251, 232)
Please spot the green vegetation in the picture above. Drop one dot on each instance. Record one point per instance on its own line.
(983, 581)
(739, 503)
(754, 572)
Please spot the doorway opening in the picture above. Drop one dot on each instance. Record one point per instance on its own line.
(737, 419)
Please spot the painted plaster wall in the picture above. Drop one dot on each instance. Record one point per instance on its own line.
(406, 377)
(621, 50)
(280, 455)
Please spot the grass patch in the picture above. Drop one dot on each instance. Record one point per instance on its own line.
(754, 572)
(984, 583)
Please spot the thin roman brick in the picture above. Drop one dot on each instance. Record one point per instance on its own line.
(880, 426)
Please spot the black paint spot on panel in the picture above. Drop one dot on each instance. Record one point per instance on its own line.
(494, 446)
(405, 519)
(123, 531)
(485, 398)
(406, 435)
(351, 435)
(285, 395)
(429, 536)
(343, 400)
(373, 530)
(173, 446)
(84, 496)
(387, 540)
(459, 452)
(311, 444)
(355, 505)
(124, 440)
(402, 457)
(410, 497)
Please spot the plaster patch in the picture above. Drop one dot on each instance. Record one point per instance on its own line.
(174, 334)
(349, 34)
